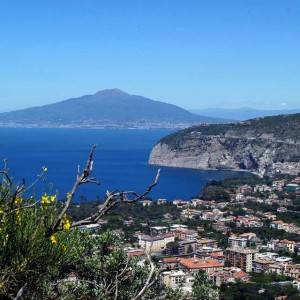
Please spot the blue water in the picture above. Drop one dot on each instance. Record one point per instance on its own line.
(120, 161)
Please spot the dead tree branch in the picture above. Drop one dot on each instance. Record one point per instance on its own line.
(113, 198)
(82, 178)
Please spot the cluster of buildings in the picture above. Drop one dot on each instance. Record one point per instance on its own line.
(183, 251)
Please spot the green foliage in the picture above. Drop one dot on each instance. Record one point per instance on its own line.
(282, 127)
(203, 289)
(171, 294)
(64, 264)
(250, 291)
(268, 277)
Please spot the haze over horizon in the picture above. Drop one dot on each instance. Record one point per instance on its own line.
(194, 55)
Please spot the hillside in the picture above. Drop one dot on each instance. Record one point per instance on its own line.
(106, 108)
(253, 145)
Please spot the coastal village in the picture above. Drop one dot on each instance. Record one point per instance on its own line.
(254, 232)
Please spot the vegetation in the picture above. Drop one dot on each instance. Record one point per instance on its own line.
(43, 254)
(202, 288)
(280, 127)
(258, 291)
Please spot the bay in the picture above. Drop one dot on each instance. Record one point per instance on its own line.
(120, 162)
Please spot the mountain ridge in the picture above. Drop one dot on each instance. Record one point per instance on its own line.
(105, 108)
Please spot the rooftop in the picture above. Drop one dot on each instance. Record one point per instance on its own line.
(195, 263)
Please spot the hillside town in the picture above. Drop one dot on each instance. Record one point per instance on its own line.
(254, 232)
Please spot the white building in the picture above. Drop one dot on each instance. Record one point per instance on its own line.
(237, 242)
(155, 243)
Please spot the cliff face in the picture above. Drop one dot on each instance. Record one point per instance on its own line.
(252, 145)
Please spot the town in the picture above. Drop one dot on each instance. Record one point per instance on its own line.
(237, 232)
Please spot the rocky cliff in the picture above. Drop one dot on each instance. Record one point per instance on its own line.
(254, 145)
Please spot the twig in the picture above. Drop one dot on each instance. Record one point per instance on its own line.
(20, 292)
(113, 198)
(82, 178)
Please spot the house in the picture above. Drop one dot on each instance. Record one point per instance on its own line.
(180, 203)
(292, 270)
(173, 279)
(283, 245)
(279, 225)
(278, 185)
(229, 275)
(190, 213)
(197, 202)
(161, 201)
(146, 202)
(245, 189)
(170, 262)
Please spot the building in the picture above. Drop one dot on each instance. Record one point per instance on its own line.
(159, 229)
(240, 258)
(229, 275)
(190, 213)
(173, 279)
(285, 245)
(292, 188)
(193, 265)
(261, 265)
(185, 233)
(155, 243)
(170, 263)
(292, 270)
(237, 242)
(146, 202)
(187, 247)
(161, 201)
(204, 242)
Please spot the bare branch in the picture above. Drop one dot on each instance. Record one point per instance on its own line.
(82, 178)
(113, 198)
(20, 292)
(149, 282)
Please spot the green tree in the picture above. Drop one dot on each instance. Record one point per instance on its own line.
(203, 289)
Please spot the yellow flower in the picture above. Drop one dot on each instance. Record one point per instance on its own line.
(18, 200)
(66, 224)
(64, 248)
(52, 199)
(53, 239)
(48, 199)
(44, 199)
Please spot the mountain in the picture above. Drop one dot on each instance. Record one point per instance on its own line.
(106, 108)
(253, 145)
(243, 113)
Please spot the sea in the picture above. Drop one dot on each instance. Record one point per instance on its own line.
(121, 162)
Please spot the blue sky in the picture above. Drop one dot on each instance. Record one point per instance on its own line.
(192, 53)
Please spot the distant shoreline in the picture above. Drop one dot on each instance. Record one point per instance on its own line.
(179, 127)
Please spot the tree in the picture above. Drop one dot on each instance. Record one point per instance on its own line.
(202, 288)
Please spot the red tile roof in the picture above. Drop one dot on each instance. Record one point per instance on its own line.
(195, 263)
(171, 260)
